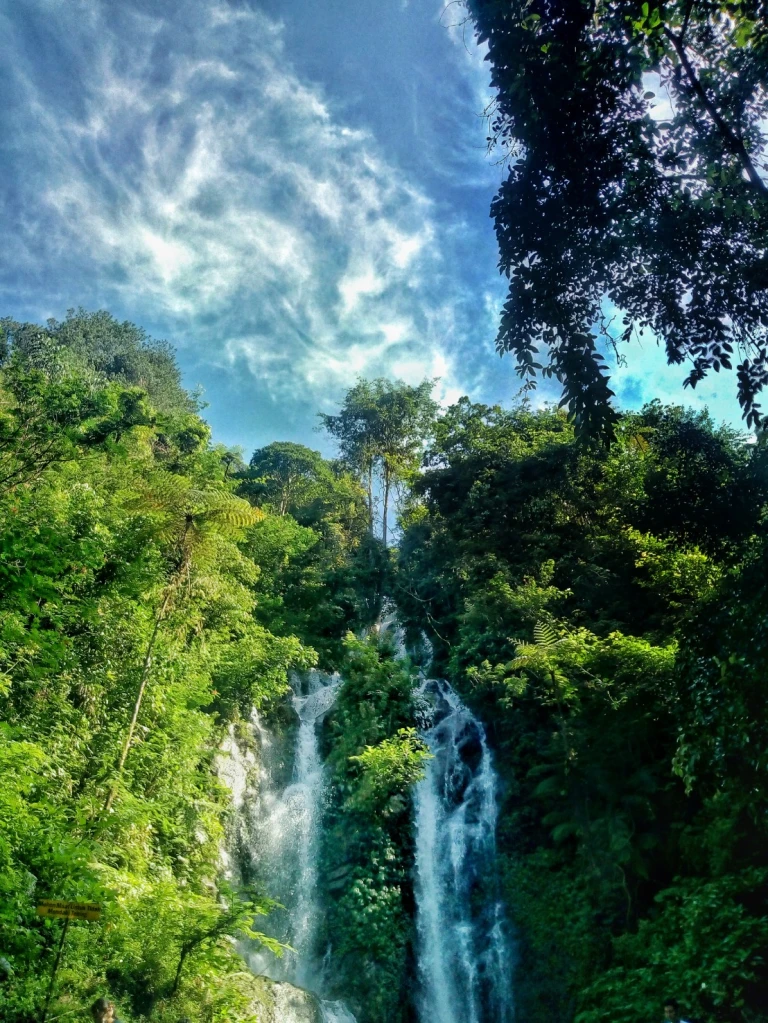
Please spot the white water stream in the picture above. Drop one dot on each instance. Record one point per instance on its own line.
(281, 828)
(463, 958)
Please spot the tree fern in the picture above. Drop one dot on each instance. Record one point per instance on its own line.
(195, 517)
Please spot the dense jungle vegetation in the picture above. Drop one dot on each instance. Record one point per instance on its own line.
(602, 608)
(144, 605)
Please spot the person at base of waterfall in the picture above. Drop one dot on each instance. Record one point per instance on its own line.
(103, 1011)
(672, 1012)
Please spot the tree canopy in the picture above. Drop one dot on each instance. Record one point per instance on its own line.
(99, 343)
(322, 568)
(145, 606)
(637, 192)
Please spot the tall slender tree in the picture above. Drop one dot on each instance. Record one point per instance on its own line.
(355, 430)
(381, 430)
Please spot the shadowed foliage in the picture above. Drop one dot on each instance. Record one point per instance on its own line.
(636, 198)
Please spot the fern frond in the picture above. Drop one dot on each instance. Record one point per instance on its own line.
(164, 492)
(219, 507)
(544, 634)
(524, 653)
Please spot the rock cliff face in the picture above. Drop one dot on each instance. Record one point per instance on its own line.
(261, 1000)
(283, 1003)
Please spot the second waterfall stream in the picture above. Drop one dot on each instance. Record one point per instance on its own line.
(462, 952)
(462, 957)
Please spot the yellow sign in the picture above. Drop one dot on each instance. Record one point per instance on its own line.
(69, 910)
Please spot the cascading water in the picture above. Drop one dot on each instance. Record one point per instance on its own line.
(336, 1012)
(282, 831)
(285, 835)
(463, 957)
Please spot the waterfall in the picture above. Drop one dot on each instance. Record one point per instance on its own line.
(463, 958)
(284, 835)
(463, 961)
(281, 832)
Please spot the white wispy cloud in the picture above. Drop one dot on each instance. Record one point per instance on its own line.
(201, 180)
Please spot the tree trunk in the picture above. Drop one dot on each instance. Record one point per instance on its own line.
(139, 698)
(370, 494)
(386, 506)
(185, 950)
(285, 496)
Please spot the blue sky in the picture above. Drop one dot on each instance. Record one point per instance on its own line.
(293, 193)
